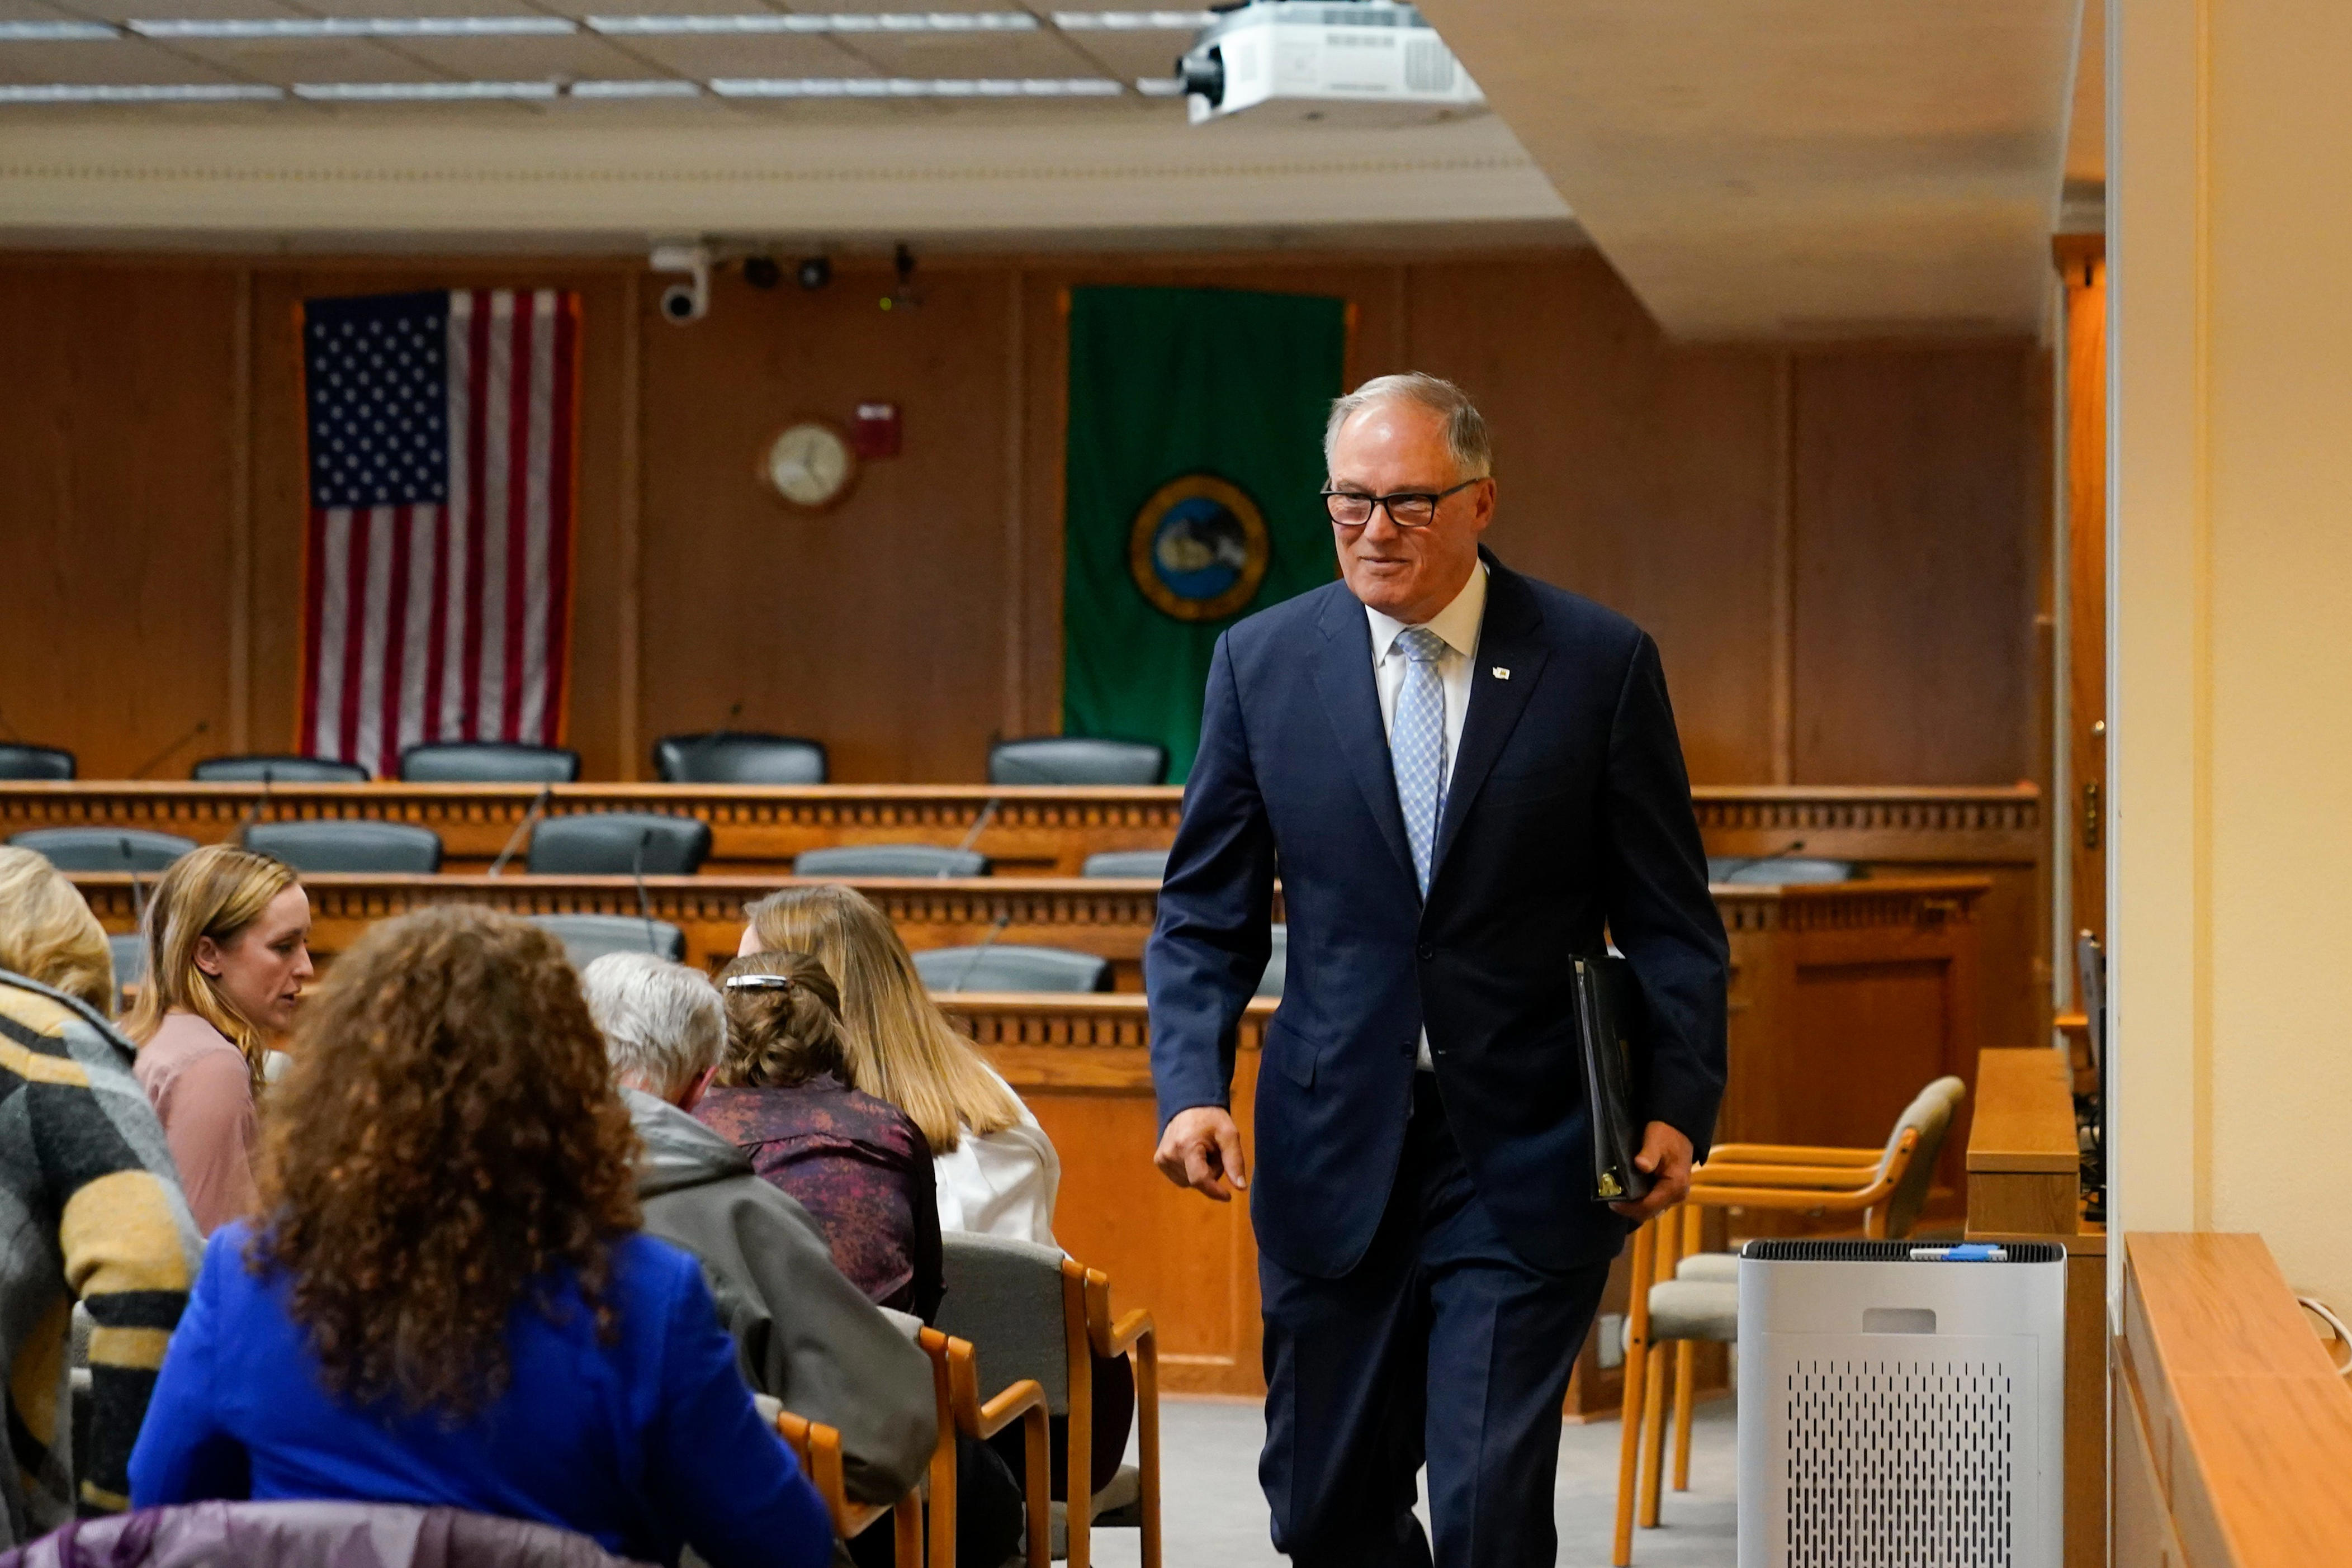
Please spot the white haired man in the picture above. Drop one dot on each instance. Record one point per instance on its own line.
(804, 1333)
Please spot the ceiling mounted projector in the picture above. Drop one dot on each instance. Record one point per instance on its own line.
(1365, 63)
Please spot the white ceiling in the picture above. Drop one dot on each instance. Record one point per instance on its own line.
(1121, 170)
(1796, 168)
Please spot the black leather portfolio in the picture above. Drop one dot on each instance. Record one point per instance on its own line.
(1608, 1032)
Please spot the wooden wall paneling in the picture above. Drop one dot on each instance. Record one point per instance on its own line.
(238, 735)
(280, 485)
(1916, 502)
(1015, 601)
(629, 599)
(1640, 475)
(876, 625)
(2083, 818)
(117, 486)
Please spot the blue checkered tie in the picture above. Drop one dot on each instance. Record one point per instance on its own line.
(1417, 745)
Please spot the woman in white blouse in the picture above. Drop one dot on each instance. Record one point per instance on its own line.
(997, 1172)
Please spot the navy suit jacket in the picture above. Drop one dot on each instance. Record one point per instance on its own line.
(1568, 811)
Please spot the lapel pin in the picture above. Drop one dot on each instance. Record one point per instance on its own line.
(1501, 673)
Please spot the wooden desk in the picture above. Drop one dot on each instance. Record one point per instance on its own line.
(2025, 1185)
(1034, 831)
(1110, 918)
(2233, 1435)
(1083, 1064)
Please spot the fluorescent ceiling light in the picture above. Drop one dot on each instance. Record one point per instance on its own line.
(53, 32)
(142, 92)
(656, 86)
(1132, 21)
(855, 22)
(419, 91)
(904, 86)
(356, 28)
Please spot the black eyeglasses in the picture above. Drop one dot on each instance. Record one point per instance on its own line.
(1406, 508)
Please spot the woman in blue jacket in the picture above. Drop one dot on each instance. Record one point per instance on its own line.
(446, 1300)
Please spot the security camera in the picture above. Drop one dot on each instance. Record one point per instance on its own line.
(685, 302)
(816, 272)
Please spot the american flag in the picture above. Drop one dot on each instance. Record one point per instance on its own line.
(443, 433)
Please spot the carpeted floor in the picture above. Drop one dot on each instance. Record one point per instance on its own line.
(1215, 1516)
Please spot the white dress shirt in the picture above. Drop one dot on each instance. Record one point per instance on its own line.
(1003, 1184)
(1457, 626)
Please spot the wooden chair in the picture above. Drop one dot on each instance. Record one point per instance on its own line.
(819, 1449)
(955, 1384)
(1680, 1294)
(1037, 1314)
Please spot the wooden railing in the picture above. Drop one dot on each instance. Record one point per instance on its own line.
(2233, 1435)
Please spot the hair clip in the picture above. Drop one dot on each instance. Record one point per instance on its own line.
(759, 982)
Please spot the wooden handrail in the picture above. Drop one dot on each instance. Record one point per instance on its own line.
(1745, 1187)
(1793, 1153)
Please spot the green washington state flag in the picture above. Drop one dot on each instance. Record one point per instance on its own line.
(1195, 457)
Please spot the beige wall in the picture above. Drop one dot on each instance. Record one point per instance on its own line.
(2231, 213)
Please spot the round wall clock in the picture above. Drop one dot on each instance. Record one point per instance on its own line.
(809, 465)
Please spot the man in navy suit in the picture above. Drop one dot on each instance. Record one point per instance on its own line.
(1465, 777)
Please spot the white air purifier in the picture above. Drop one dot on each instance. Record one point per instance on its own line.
(1901, 1404)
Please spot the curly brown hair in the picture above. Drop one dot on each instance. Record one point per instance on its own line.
(447, 1145)
(779, 1036)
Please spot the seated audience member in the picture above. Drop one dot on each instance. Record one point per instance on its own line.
(227, 935)
(997, 1171)
(855, 1163)
(114, 1230)
(446, 1299)
(803, 1333)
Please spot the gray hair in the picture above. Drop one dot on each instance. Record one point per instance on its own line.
(664, 1024)
(1465, 427)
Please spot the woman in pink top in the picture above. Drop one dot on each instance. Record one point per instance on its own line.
(227, 935)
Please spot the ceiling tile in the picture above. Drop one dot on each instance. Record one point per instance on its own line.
(1040, 53)
(518, 59)
(752, 55)
(122, 10)
(120, 60)
(1129, 55)
(287, 61)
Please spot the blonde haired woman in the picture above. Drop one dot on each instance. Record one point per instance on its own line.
(997, 1170)
(47, 934)
(228, 934)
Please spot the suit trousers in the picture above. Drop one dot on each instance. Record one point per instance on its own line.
(1440, 1346)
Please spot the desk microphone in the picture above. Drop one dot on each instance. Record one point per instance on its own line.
(522, 829)
(252, 813)
(1736, 867)
(138, 890)
(979, 950)
(203, 724)
(979, 826)
(637, 874)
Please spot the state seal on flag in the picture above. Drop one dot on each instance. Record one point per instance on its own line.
(1198, 548)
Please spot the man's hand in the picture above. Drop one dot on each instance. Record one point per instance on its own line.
(1202, 1149)
(1666, 1158)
